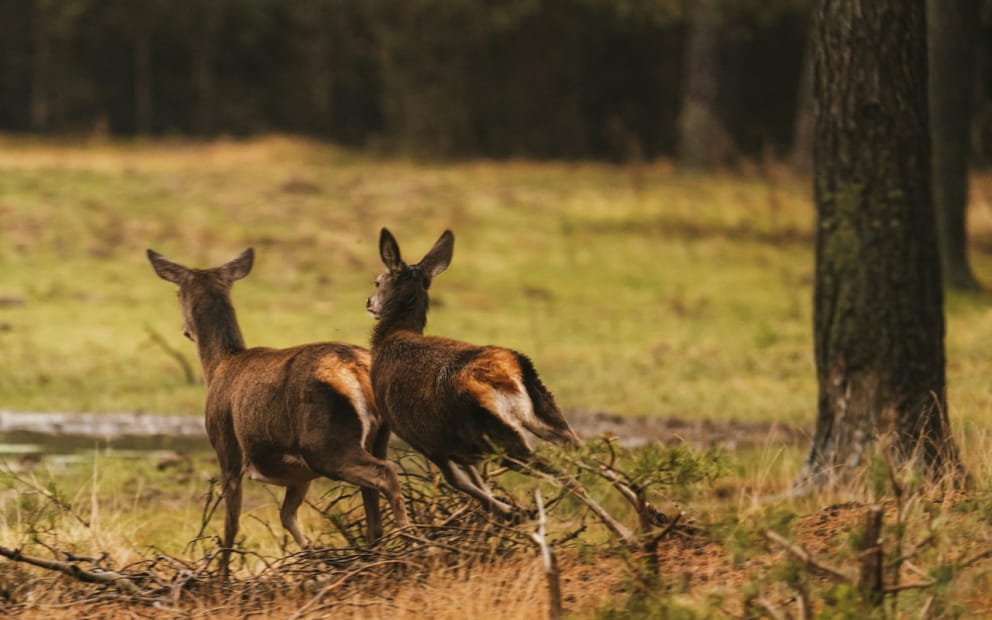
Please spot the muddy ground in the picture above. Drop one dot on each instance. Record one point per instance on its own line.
(630, 431)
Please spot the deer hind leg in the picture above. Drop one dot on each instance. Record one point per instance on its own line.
(370, 473)
(232, 503)
(295, 494)
(378, 446)
(467, 483)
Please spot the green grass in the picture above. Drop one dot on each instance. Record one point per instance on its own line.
(635, 291)
(640, 291)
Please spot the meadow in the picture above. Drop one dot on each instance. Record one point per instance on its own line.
(638, 290)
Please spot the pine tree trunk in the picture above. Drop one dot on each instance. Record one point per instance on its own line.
(952, 29)
(878, 316)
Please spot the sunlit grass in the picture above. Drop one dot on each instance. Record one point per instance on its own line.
(635, 291)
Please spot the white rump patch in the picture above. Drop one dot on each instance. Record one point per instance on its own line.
(353, 388)
(515, 409)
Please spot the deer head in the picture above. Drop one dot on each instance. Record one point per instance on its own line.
(203, 293)
(401, 291)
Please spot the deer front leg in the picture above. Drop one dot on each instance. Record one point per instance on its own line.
(457, 478)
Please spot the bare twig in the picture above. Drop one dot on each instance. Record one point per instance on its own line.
(337, 584)
(578, 491)
(156, 338)
(768, 608)
(978, 557)
(807, 559)
(908, 586)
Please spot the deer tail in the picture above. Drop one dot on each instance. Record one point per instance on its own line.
(545, 408)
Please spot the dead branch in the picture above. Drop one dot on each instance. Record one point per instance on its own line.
(579, 492)
(807, 559)
(908, 586)
(765, 605)
(550, 560)
(156, 338)
(978, 557)
(75, 571)
(337, 584)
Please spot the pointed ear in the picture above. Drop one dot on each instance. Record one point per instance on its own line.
(165, 268)
(438, 259)
(239, 266)
(389, 251)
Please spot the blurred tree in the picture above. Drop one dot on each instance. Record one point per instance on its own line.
(801, 156)
(878, 316)
(952, 31)
(703, 142)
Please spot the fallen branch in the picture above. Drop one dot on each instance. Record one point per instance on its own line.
(75, 571)
(807, 559)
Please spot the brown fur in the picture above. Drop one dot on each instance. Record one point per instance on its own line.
(282, 416)
(450, 400)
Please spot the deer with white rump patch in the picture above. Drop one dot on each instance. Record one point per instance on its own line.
(453, 401)
(282, 416)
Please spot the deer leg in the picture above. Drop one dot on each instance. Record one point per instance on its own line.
(295, 494)
(368, 472)
(370, 497)
(232, 503)
(457, 478)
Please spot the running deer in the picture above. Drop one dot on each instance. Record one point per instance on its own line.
(282, 416)
(452, 401)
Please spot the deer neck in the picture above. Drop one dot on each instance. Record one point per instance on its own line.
(217, 333)
(408, 314)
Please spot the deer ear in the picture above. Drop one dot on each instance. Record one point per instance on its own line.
(239, 266)
(389, 251)
(438, 259)
(165, 268)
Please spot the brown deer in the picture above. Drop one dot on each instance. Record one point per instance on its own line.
(282, 416)
(451, 401)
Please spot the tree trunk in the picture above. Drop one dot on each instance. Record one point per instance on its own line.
(952, 30)
(203, 47)
(878, 317)
(703, 143)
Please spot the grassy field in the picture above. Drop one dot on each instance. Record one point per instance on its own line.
(639, 291)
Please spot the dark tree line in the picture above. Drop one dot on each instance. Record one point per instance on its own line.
(542, 78)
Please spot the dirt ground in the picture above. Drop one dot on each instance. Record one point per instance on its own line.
(630, 431)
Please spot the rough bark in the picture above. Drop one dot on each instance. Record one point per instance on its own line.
(952, 30)
(878, 316)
